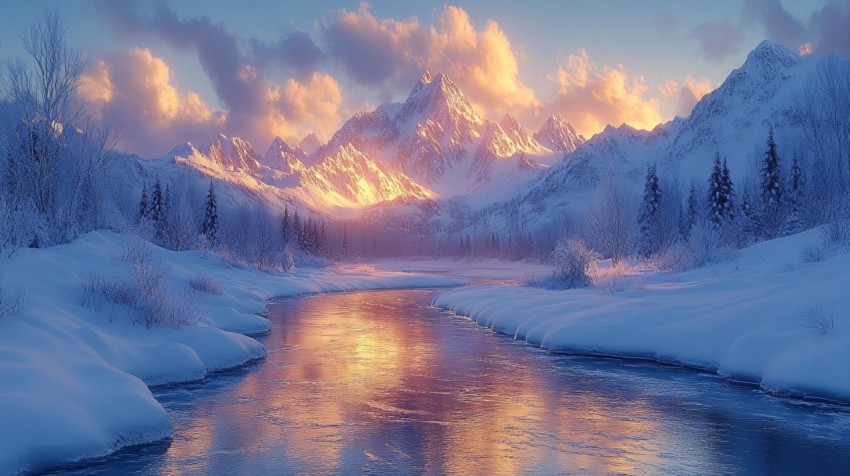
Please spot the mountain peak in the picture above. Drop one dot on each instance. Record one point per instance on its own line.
(426, 77)
(558, 135)
(768, 58)
(442, 102)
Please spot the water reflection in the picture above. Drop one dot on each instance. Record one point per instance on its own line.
(379, 382)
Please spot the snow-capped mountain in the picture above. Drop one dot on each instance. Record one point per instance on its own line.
(438, 139)
(558, 135)
(309, 143)
(434, 144)
(349, 178)
(343, 178)
(284, 158)
(733, 120)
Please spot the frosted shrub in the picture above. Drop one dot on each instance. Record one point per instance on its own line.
(820, 320)
(144, 294)
(678, 257)
(813, 254)
(837, 232)
(136, 251)
(205, 283)
(573, 261)
(12, 301)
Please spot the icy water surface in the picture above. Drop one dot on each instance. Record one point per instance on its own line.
(379, 382)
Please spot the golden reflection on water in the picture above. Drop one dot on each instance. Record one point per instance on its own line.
(356, 376)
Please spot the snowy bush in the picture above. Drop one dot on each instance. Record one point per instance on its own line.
(573, 260)
(144, 294)
(205, 283)
(136, 251)
(820, 320)
(678, 257)
(12, 301)
(813, 253)
(837, 232)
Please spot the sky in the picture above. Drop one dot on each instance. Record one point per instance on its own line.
(173, 71)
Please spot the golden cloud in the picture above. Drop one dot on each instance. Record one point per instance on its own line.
(592, 96)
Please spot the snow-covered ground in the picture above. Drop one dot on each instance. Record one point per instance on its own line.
(74, 379)
(762, 316)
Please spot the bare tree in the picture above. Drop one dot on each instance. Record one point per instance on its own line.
(825, 113)
(53, 153)
(611, 219)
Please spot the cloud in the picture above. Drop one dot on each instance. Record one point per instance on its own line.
(829, 28)
(686, 93)
(825, 31)
(718, 38)
(779, 25)
(132, 90)
(295, 50)
(256, 107)
(591, 97)
(377, 51)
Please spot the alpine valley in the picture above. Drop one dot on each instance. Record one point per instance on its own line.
(432, 166)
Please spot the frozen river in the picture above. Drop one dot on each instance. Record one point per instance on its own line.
(379, 382)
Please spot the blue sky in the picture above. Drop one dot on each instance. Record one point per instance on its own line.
(529, 59)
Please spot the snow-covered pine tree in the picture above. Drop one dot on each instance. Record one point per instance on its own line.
(155, 207)
(796, 197)
(143, 203)
(692, 210)
(716, 199)
(297, 232)
(728, 193)
(209, 225)
(285, 228)
(649, 216)
(749, 218)
(345, 244)
(771, 188)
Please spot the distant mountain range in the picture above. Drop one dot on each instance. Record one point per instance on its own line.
(433, 145)
(435, 149)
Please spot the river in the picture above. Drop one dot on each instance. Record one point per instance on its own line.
(380, 382)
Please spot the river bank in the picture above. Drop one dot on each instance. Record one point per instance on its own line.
(75, 370)
(768, 315)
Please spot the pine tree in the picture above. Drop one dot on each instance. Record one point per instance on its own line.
(209, 226)
(296, 230)
(285, 228)
(143, 203)
(750, 225)
(771, 188)
(156, 212)
(796, 196)
(719, 188)
(692, 210)
(728, 193)
(345, 244)
(166, 200)
(649, 217)
(715, 190)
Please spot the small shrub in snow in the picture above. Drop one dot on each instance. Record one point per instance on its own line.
(144, 294)
(820, 320)
(136, 251)
(813, 254)
(205, 283)
(12, 302)
(837, 232)
(676, 258)
(573, 261)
